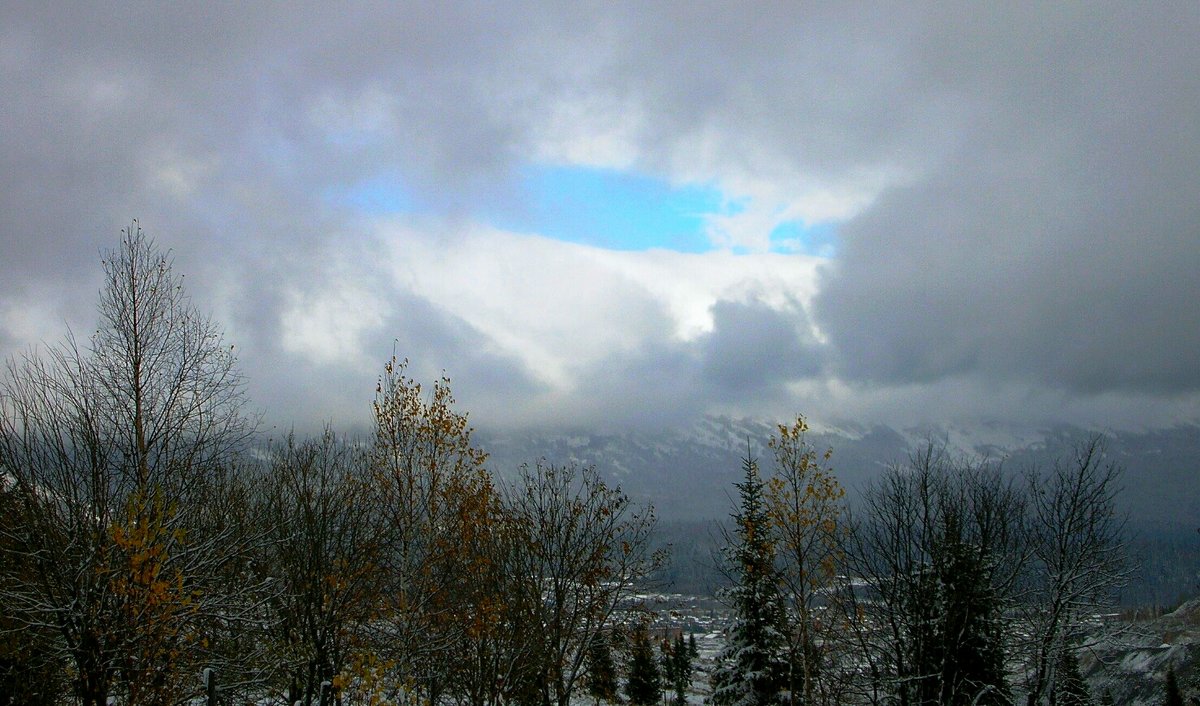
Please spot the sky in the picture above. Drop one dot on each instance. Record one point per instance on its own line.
(610, 215)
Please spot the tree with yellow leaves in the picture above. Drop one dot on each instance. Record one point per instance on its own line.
(805, 505)
(435, 500)
(153, 602)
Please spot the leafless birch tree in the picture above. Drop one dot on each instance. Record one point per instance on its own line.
(112, 449)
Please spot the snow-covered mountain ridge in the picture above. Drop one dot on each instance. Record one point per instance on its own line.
(688, 472)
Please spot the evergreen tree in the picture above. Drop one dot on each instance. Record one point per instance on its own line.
(601, 672)
(954, 647)
(968, 646)
(1173, 696)
(751, 669)
(677, 667)
(1069, 686)
(644, 686)
(669, 664)
(1106, 698)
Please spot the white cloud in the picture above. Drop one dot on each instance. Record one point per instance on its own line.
(770, 191)
(562, 308)
(30, 320)
(590, 131)
(763, 189)
(329, 319)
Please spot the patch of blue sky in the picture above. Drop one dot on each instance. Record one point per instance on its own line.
(630, 211)
(378, 195)
(600, 207)
(614, 209)
(818, 239)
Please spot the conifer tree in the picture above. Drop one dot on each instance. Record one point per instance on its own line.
(669, 664)
(601, 672)
(1069, 687)
(644, 686)
(1173, 696)
(751, 669)
(967, 654)
(677, 666)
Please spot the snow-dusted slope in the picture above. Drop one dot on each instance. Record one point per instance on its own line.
(688, 472)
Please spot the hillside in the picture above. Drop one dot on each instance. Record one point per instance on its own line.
(688, 473)
(1132, 665)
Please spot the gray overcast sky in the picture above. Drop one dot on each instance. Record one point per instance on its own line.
(603, 214)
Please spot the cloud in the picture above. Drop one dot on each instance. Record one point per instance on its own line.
(755, 349)
(1052, 246)
(744, 365)
(1001, 200)
(606, 331)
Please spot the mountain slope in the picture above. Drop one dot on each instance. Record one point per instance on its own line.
(687, 473)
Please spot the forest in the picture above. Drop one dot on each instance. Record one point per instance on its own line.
(149, 535)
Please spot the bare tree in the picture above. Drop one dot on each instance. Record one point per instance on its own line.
(886, 549)
(581, 548)
(111, 450)
(1077, 546)
(966, 571)
(939, 544)
(325, 554)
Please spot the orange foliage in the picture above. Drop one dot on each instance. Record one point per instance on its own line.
(151, 594)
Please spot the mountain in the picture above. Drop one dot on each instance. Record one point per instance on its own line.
(688, 473)
(1131, 662)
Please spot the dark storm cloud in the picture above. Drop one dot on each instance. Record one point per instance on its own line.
(755, 349)
(1047, 228)
(744, 363)
(822, 86)
(98, 97)
(1057, 244)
